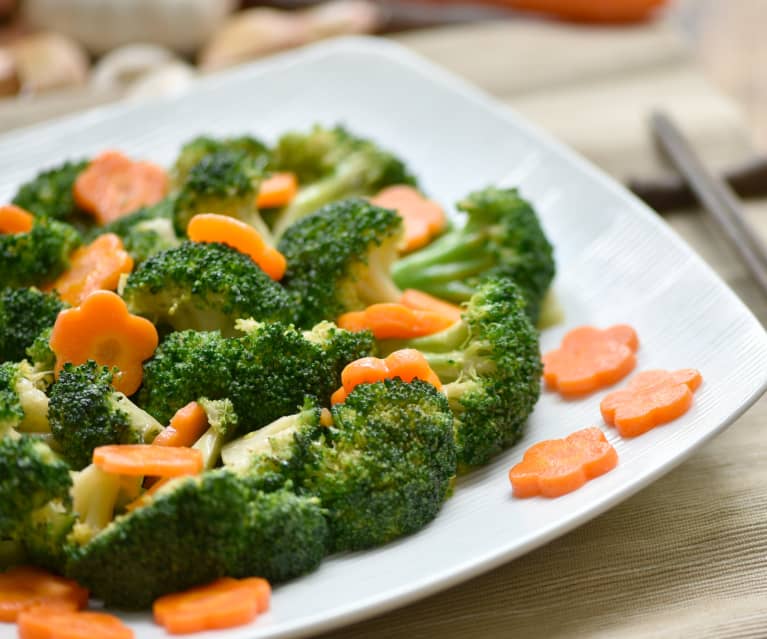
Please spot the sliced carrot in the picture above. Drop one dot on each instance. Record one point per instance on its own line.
(590, 10)
(113, 185)
(103, 330)
(24, 587)
(395, 321)
(137, 460)
(339, 397)
(590, 358)
(421, 301)
(44, 623)
(277, 190)
(650, 399)
(225, 603)
(365, 370)
(423, 218)
(326, 418)
(95, 267)
(185, 427)
(14, 219)
(559, 466)
(409, 364)
(209, 227)
(144, 499)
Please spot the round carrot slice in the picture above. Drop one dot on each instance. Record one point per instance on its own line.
(423, 218)
(24, 587)
(14, 219)
(138, 460)
(277, 190)
(365, 370)
(45, 623)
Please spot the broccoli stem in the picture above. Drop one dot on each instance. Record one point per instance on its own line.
(376, 286)
(210, 445)
(94, 495)
(34, 403)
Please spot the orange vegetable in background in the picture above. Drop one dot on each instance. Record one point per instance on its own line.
(210, 227)
(103, 330)
(24, 587)
(650, 399)
(556, 467)
(225, 603)
(589, 10)
(590, 358)
(97, 266)
(423, 218)
(421, 301)
(14, 219)
(185, 427)
(113, 185)
(395, 321)
(44, 623)
(277, 190)
(137, 460)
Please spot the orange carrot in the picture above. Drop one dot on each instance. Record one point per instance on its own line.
(44, 623)
(558, 466)
(650, 399)
(394, 321)
(590, 358)
(339, 397)
(97, 266)
(590, 10)
(326, 417)
(225, 603)
(113, 185)
(103, 330)
(24, 587)
(136, 460)
(277, 190)
(185, 427)
(423, 218)
(366, 370)
(421, 301)
(209, 227)
(14, 219)
(409, 364)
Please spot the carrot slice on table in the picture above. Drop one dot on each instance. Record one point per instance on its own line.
(113, 185)
(44, 623)
(97, 266)
(651, 398)
(24, 587)
(277, 190)
(209, 227)
(421, 301)
(590, 358)
(559, 466)
(395, 321)
(14, 219)
(225, 603)
(137, 460)
(103, 330)
(423, 218)
(185, 427)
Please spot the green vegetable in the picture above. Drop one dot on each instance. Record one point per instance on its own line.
(85, 412)
(24, 314)
(198, 148)
(204, 287)
(333, 164)
(44, 534)
(40, 352)
(222, 425)
(23, 402)
(502, 236)
(49, 194)
(339, 259)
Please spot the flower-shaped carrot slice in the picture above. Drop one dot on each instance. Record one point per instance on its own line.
(590, 358)
(103, 330)
(14, 219)
(395, 321)
(559, 466)
(24, 587)
(423, 218)
(95, 267)
(277, 190)
(650, 398)
(113, 185)
(420, 301)
(209, 227)
(45, 623)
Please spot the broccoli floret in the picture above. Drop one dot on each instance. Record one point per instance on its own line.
(11, 554)
(36, 257)
(226, 183)
(31, 475)
(501, 235)
(85, 412)
(195, 529)
(491, 366)
(333, 164)
(195, 150)
(50, 193)
(24, 314)
(41, 354)
(204, 287)
(339, 259)
(44, 535)
(23, 402)
(222, 424)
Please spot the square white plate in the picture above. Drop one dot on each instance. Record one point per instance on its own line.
(617, 262)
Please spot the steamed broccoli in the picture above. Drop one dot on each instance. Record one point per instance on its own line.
(85, 412)
(339, 259)
(266, 373)
(44, 533)
(502, 235)
(198, 148)
(333, 164)
(146, 231)
(491, 367)
(41, 354)
(23, 402)
(49, 194)
(222, 424)
(36, 257)
(203, 286)
(24, 314)
(226, 183)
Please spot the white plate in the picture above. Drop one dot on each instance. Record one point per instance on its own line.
(617, 262)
